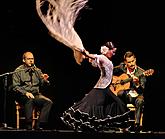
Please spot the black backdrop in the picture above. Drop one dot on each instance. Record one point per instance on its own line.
(131, 25)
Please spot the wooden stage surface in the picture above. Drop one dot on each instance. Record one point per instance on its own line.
(69, 134)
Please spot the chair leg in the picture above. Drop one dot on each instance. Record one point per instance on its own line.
(33, 118)
(141, 120)
(17, 116)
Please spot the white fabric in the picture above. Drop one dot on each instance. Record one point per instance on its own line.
(106, 67)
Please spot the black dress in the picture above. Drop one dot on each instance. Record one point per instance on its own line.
(100, 109)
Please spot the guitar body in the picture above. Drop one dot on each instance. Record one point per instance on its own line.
(122, 82)
(115, 86)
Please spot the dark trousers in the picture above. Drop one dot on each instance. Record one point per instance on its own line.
(43, 103)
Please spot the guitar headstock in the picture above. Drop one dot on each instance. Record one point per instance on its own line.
(148, 72)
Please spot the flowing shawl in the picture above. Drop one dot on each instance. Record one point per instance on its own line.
(59, 17)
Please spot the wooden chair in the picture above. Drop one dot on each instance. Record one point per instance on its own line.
(20, 115)
(132, 117)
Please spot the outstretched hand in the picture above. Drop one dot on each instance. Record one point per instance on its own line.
(45, 76)
(87, 54)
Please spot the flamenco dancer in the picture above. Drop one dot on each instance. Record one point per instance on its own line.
(100, 109)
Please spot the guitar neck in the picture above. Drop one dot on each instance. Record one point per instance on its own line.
(145, 73)
(130, 79)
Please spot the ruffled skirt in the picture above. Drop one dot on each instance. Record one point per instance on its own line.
(99, 110)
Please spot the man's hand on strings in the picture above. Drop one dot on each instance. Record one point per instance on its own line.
(136, 81)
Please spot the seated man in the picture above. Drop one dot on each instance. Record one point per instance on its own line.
(129, 84)
(27, 80)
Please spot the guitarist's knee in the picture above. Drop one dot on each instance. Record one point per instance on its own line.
(120, 93)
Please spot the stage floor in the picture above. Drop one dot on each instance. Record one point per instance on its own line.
(69, 134)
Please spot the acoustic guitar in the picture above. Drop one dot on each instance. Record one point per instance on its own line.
(122, 82)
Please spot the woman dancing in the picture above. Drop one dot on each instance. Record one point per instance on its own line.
(100, 109)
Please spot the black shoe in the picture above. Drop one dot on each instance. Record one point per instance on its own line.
(29, 127)
(38, 128)
(41, 126)
(137, 128)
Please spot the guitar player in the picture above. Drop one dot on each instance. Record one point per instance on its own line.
(129, 83)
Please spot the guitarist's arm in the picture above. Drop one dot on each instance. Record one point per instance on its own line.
(139, 84)
(118, 70)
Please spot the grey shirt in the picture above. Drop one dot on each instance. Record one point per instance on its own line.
(27, 80)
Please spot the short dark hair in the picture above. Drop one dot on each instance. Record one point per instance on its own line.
(128, 54)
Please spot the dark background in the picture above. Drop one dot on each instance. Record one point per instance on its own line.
(132, 25)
